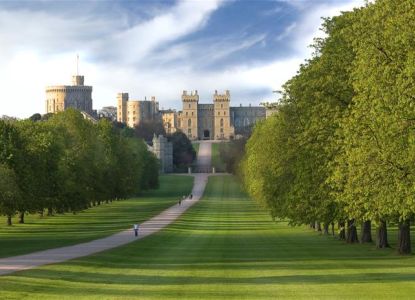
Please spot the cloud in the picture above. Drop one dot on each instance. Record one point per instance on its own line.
(158, 54)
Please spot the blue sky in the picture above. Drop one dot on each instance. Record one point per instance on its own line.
(155, 48)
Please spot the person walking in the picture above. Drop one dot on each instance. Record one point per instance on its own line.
(136, 229)
(191, 196)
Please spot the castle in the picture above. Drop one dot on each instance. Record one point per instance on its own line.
(217, 121)
(199, 121)
(77, 95)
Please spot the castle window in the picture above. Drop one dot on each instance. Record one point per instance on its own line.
(134, 119)
(189, 131)
(190, 105)
(192, 113)
(221, 130)
(189, 122)
(221, 106)
(224, 113)
(186, 113)
(218, 113)
(221, 122)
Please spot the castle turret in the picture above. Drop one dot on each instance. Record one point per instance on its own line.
(189, 120)
(77, 95)
(122, 99)
(77, 80)
(222, 122)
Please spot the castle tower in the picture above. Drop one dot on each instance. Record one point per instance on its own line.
(77, 95)
(222, 120)
(189, 120)
(122, 99)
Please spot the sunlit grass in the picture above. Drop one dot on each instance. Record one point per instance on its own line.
(50, 232)
(224, 247)
(217, 162)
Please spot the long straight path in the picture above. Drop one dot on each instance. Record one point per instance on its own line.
(28, 261)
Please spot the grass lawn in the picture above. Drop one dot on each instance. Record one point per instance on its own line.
(60, 230)
(224, 248)
(217, 162)
(196, 147)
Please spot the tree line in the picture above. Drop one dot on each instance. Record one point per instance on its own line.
(65, 163)
(341, 148)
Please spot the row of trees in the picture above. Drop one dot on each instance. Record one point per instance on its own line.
(341, 148)
(66, 164)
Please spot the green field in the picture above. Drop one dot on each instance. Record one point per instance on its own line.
(196, 147)
(224, 248)
(50, 232)
(216, 159)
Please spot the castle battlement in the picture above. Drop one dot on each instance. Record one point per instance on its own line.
(61, 97)
(192, 97)
(68, 88)
(222, 97)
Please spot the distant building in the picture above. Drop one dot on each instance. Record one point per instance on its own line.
(243, 117)
(170, 120)
(108, 112)
(132, 112)
(216, 121)
(271, 108)
(77, 95)
(163, 149)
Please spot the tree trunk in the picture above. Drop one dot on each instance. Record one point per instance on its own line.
(332, 228)
(9, 220)
(366, 232)
(41, 213)
(21, 217)
(404, 238)
(312, 225)
(318, 226)
(351, 232)
(382, 235)
(50, 212)
(342, 231)
(326, 229)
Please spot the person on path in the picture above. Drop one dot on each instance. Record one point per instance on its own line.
(191, 196)
(180, 202)
(136, 229)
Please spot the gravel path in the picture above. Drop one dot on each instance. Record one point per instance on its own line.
(28, 261)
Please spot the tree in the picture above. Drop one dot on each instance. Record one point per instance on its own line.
(379, 150)
(183, 152)
(9, 193)
(146, 129)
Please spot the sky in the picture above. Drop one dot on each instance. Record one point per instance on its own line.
(155, 48)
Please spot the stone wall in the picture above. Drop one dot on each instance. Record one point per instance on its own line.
(163, 150)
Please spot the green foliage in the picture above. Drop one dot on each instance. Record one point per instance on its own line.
(146, 129)
(9, 191)
(67, 163)
(342, 143)
(47, 232)
(231, 154)
(183, 152)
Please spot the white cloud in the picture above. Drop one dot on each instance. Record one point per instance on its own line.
(39, 49)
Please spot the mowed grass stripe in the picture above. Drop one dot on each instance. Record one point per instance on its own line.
(224, 247)
(67, 229)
